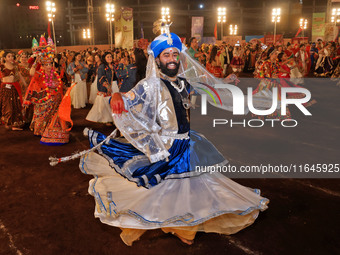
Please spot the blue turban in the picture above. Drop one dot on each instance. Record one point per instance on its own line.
(161, 43)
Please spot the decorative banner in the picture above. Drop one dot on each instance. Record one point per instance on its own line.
(124, 28)
(197, 28)
(331, 32)
(318, 25)
(269, 39)
(250, 37)
(298, 40)
(232, 39)
(209, 40)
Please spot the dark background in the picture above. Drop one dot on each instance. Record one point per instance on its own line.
(19, 24)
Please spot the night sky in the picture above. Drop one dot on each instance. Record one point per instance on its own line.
(252, 22)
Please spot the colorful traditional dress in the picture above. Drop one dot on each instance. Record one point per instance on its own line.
(302, 61)
(152, 182)
(79, 91)
(324, 65)
(214, 69)
(268, 74)
(286, 71)
(106, 84)
(237, 61)
(258, 72)
(46, 95)
(275, 75)
(11, 98)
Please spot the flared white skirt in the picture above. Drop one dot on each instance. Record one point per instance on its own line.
(210, 201)
(100, 111)
(93, 91)
(79, 93)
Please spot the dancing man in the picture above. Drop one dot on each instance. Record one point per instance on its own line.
(152, 182)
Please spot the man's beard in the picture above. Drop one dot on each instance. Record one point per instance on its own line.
(167, 71)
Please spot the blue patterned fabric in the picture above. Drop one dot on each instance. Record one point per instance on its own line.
(185, 155)
(83, 71)
(105, 74)
(160, 43)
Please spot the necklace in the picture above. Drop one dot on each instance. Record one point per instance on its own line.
(48, 84)
(185, 99)
(180, 88)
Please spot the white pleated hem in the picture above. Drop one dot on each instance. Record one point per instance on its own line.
(100, 111)
(79, 93)
(93, 91)
(186, 202)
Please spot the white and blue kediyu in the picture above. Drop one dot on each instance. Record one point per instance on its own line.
(149, 181)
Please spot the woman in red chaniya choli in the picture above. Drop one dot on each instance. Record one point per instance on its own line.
(214, 65)
(276, 73)
(46, 93)
(237, 62)
(10, 94)
(284, 77)
(268, 73)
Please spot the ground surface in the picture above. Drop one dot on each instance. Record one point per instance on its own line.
(47, 210)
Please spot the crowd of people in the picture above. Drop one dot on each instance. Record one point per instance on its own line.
(32, 86)
(97, 74)
(143, 95)
(318, 59)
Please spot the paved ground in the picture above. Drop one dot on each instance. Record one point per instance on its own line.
(47, 210)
